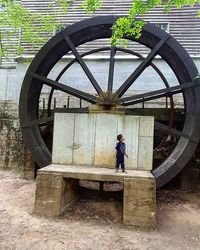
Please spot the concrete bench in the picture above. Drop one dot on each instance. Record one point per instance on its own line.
(57, 184)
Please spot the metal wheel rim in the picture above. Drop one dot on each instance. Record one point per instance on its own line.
(96, 28)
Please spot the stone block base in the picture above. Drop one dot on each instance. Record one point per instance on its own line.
(54, 194)
(57, 190)
(139, 207)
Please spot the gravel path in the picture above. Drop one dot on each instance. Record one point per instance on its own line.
(94, 224)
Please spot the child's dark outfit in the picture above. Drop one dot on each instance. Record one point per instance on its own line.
(121, 148)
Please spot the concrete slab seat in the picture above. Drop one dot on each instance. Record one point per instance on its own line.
(83, 148)
(57, 187)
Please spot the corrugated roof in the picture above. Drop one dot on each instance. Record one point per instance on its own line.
(183, 24)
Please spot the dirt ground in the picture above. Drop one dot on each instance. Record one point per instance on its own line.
(94, 224)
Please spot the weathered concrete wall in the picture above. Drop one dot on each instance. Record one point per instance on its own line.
(90, 139)
(11, 145)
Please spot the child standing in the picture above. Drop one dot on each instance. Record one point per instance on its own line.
(120, 152)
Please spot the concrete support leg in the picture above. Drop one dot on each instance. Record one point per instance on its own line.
(139, 207)
(54, 194)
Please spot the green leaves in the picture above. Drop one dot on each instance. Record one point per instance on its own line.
(124, 27)
(91, 6)
(63, 4)
(130, 26)
(179, 4)
(31, 26)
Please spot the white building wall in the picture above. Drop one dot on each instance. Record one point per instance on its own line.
(11, 79)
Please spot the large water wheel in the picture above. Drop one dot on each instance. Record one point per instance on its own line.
(159, 42)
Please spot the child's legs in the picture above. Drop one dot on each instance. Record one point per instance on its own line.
(120, 161)
(117, 164)
(122, 164)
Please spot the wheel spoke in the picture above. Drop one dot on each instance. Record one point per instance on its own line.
(174, 132)
(75, 60)
(67, 89)
(46, 120)
(124, 87)
(111, 68)
(156, 94)
(82, 63)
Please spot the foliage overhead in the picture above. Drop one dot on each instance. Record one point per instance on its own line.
(90, 6)
(14, 17)
(131, 27)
